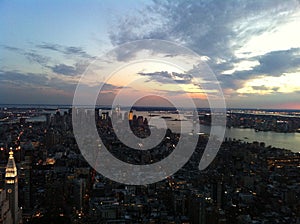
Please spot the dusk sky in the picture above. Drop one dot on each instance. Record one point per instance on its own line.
(253, 48)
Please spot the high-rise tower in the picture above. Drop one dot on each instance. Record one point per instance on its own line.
(11, 187)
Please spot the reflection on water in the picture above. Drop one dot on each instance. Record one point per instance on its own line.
(281, 140)
(289, 141)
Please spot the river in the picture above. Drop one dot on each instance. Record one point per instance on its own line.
(289, 141)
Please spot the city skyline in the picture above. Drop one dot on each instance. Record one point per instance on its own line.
(253, 49)
(248, 181)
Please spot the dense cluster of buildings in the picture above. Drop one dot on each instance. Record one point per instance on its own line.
(45, 179)
(278, 122)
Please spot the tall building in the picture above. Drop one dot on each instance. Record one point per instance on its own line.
(130, 116)
(5, 213)
(11, 187)
(218, 194)
(197, 209)
(27, 172)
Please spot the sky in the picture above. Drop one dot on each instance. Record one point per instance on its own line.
(251, 47)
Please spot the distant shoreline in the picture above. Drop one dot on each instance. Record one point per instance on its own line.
(140, 108)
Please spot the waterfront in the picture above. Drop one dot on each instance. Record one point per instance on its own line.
(289, 141)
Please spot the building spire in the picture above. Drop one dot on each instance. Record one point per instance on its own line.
(11, 169)
(11, 153)
(11, 186)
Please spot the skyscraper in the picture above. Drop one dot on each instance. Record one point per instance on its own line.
(11, 187)
(27, 169)
(5, 213)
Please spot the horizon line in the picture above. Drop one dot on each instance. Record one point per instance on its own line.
(12, 105)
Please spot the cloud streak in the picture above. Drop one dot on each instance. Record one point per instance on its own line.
(31, 56)
(65, 50)
(68, 70)
(165, 77)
